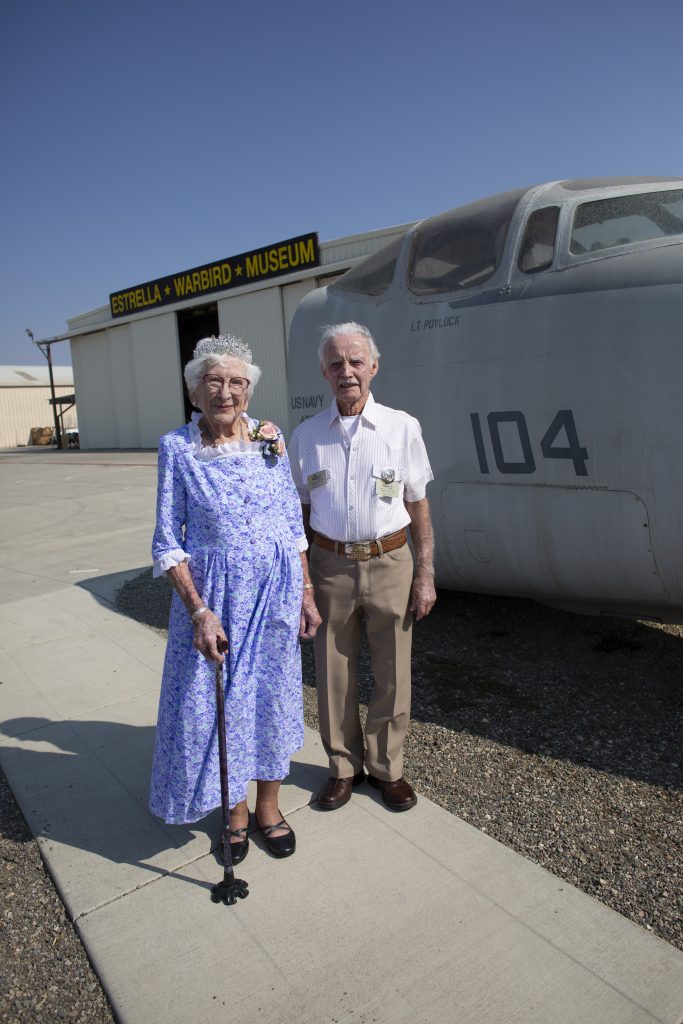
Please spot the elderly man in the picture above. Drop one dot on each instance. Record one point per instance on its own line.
(361, 470)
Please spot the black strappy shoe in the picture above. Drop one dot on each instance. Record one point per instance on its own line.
(238, 851)
(279, 846)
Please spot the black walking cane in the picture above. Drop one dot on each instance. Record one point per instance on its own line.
(230, 889)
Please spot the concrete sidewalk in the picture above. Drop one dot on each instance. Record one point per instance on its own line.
(377, 918)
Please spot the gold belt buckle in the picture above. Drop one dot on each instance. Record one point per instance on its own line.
(359, 551)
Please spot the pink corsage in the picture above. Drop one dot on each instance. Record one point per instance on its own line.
(272, 441)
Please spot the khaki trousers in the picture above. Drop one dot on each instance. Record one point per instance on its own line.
(346, 592)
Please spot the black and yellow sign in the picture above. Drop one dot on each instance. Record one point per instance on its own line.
(298, 253)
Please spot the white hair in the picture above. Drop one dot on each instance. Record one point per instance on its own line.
(214, 351)
(351, 327)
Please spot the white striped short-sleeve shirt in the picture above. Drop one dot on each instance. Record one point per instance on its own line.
(341, 477)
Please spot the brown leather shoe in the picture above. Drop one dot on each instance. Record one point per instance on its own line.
(398, 795)
(337, 792)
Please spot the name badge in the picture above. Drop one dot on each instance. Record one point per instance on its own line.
(318, 479)
(385, 489)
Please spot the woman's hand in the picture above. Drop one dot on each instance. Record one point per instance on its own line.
(208, 631)
(209, 637)
(310, 616)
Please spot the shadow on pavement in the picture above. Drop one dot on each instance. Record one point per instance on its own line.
(89, 791)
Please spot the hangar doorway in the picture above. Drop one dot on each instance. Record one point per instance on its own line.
(193, 324)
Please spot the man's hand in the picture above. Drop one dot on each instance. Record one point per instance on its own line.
(422, 595)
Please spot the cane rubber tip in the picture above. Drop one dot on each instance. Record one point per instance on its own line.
(228, 894)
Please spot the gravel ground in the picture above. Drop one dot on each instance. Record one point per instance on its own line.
(559, 735)
(45, 975)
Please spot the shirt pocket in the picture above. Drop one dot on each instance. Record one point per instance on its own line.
(319, 481)
(385, 491)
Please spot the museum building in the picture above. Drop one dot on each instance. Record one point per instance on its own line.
(128, 356)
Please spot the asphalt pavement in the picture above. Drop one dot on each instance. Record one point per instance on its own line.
(378, 917)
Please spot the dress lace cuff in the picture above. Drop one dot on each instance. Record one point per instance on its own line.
(302, 544)
(168, 560)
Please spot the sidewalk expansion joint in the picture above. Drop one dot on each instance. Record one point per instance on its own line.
(520, 921)
(159, 875)
(75, 718)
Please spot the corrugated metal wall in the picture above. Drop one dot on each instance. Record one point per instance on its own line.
(359, 245)
(95, 390)
(129, 383)
(23, 408)
(157, 377)
(257, 318)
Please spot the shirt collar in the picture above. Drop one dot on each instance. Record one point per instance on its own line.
(369, 413)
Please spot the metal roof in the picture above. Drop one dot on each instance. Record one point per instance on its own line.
(35, 376)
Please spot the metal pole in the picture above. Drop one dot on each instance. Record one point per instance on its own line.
(43, 346)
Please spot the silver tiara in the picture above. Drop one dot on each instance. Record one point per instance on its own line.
(223, 345)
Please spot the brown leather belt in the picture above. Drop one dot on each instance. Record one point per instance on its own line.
(362, 551)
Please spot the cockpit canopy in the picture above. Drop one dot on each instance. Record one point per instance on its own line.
(463, 248)
(604, 223)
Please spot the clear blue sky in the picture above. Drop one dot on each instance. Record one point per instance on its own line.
(141, 139)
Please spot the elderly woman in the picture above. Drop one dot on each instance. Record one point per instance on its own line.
(230, 536)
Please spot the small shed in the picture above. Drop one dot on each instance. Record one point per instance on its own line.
(25, 402)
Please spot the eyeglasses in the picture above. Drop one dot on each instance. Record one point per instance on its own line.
(215, 383)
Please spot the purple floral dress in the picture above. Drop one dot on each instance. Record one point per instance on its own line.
(235, 516)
